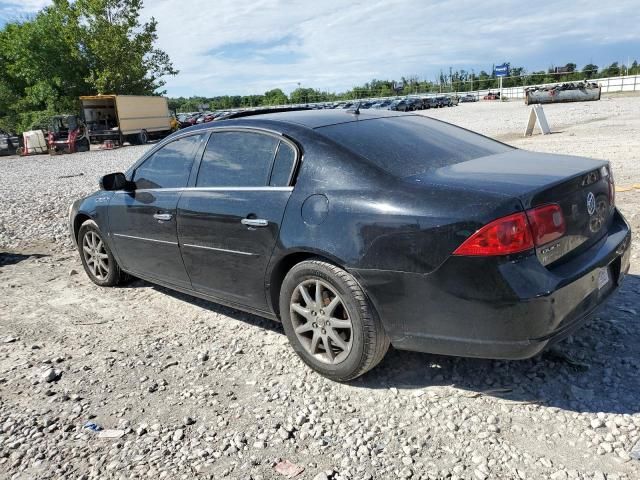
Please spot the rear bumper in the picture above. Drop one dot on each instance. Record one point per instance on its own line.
(495, 307)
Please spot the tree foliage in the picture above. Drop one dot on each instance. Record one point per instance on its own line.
(76, 48)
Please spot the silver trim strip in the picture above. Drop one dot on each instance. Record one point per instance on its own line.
(211, 189)
(144, 239)
(219, 249)
(238, 189)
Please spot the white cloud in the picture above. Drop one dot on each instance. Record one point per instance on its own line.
(249, 46)
(17, 9)
(340, 43)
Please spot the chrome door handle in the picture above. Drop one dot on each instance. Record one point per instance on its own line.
(254, 222)
(163, 217)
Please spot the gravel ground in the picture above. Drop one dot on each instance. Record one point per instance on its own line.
(35, 193)
(195, 390)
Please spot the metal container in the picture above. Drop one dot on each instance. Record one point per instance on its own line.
(565, 92)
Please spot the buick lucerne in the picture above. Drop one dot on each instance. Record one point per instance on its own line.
(360, 230)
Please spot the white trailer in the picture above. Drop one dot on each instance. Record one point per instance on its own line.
(131, 118)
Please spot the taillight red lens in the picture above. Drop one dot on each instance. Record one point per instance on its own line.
(547, 223)
(504, 236)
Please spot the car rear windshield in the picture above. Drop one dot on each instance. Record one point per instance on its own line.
(411, 145)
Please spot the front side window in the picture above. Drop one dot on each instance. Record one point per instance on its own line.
(237, 159)
(170, 166)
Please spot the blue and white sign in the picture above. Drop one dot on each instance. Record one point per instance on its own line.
(501, 70)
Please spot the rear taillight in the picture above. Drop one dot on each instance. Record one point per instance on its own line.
(607, 173)
(547, 224)
(504, 236)
(516, 233)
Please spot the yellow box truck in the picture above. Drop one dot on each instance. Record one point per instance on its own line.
(125, 118)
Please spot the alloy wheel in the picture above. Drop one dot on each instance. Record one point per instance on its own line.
(95, 255)
(321, 321)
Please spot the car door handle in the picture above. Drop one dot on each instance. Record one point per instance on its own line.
(254, 222)
(163, 217)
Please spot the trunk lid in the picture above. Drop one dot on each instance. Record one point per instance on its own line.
(582, 187)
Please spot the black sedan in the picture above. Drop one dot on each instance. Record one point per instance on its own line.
(360, 230)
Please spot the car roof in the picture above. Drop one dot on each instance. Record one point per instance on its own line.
(312, 118)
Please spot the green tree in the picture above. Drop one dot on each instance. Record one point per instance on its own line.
(305, 95)
(42, 72)
(120, 50)
(590, 70)
(275, 97)
(612, 70)
(76, 48)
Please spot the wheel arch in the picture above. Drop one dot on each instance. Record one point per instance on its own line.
(78, 220)
(284, 264)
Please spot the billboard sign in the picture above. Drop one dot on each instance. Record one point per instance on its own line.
(501, 70)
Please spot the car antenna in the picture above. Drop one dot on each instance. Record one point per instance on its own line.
(355, 110)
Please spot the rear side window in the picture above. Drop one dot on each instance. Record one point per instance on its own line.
(170, 166)
(237, 159)
(411, 145)
(283, 166)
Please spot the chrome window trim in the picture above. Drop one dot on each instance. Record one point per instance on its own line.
(130, 174)
(144, 239)
(209, 189)
(224, 250)
(264, 131)
(210, 130)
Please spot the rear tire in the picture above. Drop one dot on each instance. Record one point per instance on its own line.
(335, 332)
(83, 145)
(98, 261)
(143, 137)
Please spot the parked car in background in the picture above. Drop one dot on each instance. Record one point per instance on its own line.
(429, 102)
(468, 98)
(395, 229)
(404, 105)
(381, 105)
(443, 101)
(416, 103)
(9, 143)
(492, 96)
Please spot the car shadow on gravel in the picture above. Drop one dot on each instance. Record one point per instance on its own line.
(596, 370)
(212, 307)
(7, 258)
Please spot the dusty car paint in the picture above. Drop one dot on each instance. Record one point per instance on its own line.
(396, 235)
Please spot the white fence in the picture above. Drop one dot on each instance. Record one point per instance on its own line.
(628, 83)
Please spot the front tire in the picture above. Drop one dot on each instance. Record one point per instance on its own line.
(330, 322)
(98, 261)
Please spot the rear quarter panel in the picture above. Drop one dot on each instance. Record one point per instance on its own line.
(375, 221)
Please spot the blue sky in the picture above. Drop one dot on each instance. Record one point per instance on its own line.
(250, 46)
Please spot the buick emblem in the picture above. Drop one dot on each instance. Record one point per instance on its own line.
(591, 203)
